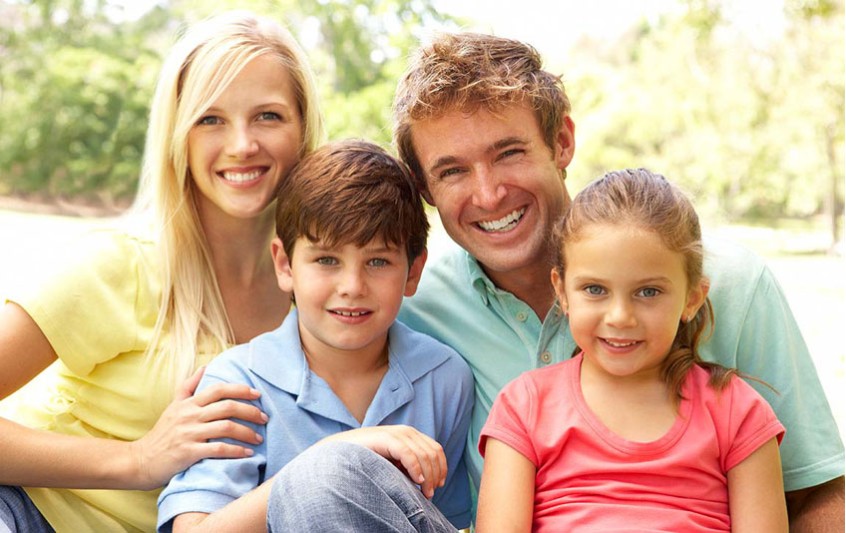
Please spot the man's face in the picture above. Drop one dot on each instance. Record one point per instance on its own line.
(497, 185)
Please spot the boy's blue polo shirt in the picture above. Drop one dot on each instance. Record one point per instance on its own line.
(500, 337)
(427, 386)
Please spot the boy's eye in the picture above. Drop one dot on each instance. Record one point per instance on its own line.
(378, 262)
(326, 261)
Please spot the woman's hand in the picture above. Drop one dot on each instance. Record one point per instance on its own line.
(420, 456)
(181, 436)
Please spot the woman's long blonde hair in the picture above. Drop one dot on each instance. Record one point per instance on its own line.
(192, 317)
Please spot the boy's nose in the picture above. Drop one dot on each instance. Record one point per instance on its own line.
(351, 282)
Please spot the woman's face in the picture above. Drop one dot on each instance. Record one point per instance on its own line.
(246, 142)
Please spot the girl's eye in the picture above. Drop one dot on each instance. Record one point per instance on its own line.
(326, 261)
(649, 292)
(209, 120)
(378, 262)
(594, 290)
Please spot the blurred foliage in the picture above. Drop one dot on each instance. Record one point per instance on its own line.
(751, 125)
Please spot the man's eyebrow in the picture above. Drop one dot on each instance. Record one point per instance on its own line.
(442, 162)
(506, 142)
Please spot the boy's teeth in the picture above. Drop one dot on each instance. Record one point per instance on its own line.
(350, 313)
(505, 223)
(240, 177)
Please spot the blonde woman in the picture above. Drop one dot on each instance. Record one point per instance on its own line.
(136, 314)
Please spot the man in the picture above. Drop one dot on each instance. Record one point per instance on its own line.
(488, 135)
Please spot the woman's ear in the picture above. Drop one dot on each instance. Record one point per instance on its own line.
(282, 265)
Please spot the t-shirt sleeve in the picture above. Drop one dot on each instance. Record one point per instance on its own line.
(211, 484)
(749, 422)
(508, 420)
(757, 333)
(88, 301)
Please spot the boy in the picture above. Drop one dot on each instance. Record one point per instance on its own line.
(351, 242)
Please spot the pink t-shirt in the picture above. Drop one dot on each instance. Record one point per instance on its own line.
(590, 478)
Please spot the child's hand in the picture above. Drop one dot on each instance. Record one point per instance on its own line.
(420, 456)
(182, 435)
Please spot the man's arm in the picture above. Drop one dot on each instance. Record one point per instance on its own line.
(817, 509)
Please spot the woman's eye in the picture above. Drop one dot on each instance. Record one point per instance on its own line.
(209, 120)
(269, 115)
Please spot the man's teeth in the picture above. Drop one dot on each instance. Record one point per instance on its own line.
(621, 344)
(505, 223)
(351, 313)
(240, 177)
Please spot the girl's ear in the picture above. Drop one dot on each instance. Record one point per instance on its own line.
(695, 299)
(558, 284)
(282, 265)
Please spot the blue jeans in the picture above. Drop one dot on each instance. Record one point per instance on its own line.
(345, 487)
(18, 514)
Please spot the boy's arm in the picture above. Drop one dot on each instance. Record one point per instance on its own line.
(756, 492)
(245, 515)
(817, 509)
(507, 491)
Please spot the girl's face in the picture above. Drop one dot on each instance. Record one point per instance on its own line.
(625, 293)
(246, 142)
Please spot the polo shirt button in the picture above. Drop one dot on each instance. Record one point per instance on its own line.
(546, 357)
(522, 316)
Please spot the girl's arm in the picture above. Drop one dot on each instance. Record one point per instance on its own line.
(507, 493)
(46, 459)
(756, 492)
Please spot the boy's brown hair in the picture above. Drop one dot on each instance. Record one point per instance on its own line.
(351, 192)
(468, 71)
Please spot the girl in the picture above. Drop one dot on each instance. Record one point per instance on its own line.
(233, 112)
(635, 432)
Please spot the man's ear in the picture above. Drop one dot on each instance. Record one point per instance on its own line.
(565, 143)
(282, 265)
(415, 270)
(558, 284)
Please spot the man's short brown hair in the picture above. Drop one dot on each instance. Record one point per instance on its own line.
(351, 192)
(468, 71)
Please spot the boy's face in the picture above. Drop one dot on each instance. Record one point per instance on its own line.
(347, 296)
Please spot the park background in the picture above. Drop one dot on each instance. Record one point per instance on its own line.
(741, 102)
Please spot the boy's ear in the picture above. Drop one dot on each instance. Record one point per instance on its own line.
(282, 265)
(415, 270)
(558, 285)
(696, 299)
